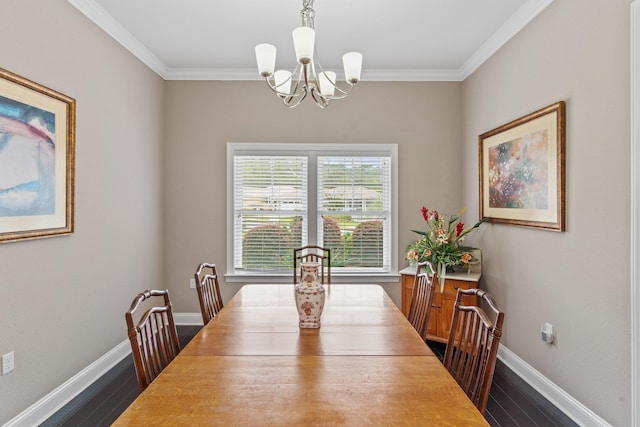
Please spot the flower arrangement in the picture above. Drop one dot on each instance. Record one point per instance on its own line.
(441, 243)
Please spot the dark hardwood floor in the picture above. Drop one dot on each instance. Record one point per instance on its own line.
(512, 402)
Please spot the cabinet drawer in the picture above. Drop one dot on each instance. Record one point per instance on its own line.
(451, 286)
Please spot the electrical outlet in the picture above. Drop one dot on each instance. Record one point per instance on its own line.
(192, 283)
(547, 333)
(7, 363)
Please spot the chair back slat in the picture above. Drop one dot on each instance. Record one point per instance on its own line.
(154, 338)
(422, 298)
(472, 348)
(208, 289)
(313, 253)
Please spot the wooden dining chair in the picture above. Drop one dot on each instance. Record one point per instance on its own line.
(422, 298)
(208, 289)
(313, 253)
(472, 348)
(154, 338)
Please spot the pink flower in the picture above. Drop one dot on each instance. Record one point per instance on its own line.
(459, 228)
(425, 213)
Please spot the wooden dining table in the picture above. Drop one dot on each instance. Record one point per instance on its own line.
(253, 366)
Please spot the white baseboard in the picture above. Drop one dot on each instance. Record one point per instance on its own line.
(54, 401)
(44, 408)
(560, 398)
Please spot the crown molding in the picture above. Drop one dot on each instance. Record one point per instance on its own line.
(102, 19)
(529, 10)
(213, 74)
(411, 75)
(367, 75)
(510, 28)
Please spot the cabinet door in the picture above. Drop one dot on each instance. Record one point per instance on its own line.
(407, 291)
(449, 301)
(442, 307)
(432, 327)
(445, 313)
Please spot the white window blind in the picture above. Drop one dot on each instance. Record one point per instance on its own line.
(270, 206)
(339, 196)
(354, 210)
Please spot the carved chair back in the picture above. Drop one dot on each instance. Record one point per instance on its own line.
(208, 289)
(422, 298)
(154, 339)
(472, 348)
(313, 253)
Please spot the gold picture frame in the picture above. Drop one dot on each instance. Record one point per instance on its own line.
(37, 160)
(522, 170)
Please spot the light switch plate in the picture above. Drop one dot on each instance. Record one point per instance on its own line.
(7, 363)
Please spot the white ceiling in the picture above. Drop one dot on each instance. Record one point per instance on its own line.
(418, 40)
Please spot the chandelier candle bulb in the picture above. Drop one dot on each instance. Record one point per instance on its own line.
(266, 59)
(352, 63)
(283, 81)
(304, 39)
(327, 81)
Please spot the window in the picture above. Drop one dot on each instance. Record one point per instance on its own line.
(283, 196)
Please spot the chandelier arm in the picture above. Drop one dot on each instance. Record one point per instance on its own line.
(320, 100)
(274, 88)
(295, 92)
(305, 73)
(301, 96)
(343, 93)
(300, 88)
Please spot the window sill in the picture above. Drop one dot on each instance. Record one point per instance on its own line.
(335, 278)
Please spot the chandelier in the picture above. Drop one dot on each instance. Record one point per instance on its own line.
(308, 77)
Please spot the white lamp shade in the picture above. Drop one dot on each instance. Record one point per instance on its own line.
(283, 81)
(327, 81)
(266, 59)
(352, 63)
(304, 39)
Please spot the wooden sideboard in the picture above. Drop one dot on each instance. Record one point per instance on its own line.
(443, 301)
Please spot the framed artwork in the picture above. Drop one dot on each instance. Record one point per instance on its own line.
(37, 160)
(522, 170)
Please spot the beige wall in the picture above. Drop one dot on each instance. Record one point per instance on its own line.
(422, 118)
(147, 215)
(577, 280)
(62, 299)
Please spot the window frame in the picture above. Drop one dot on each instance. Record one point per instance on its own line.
(312, 151)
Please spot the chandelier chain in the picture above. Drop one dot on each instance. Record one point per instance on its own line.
(307, 13)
